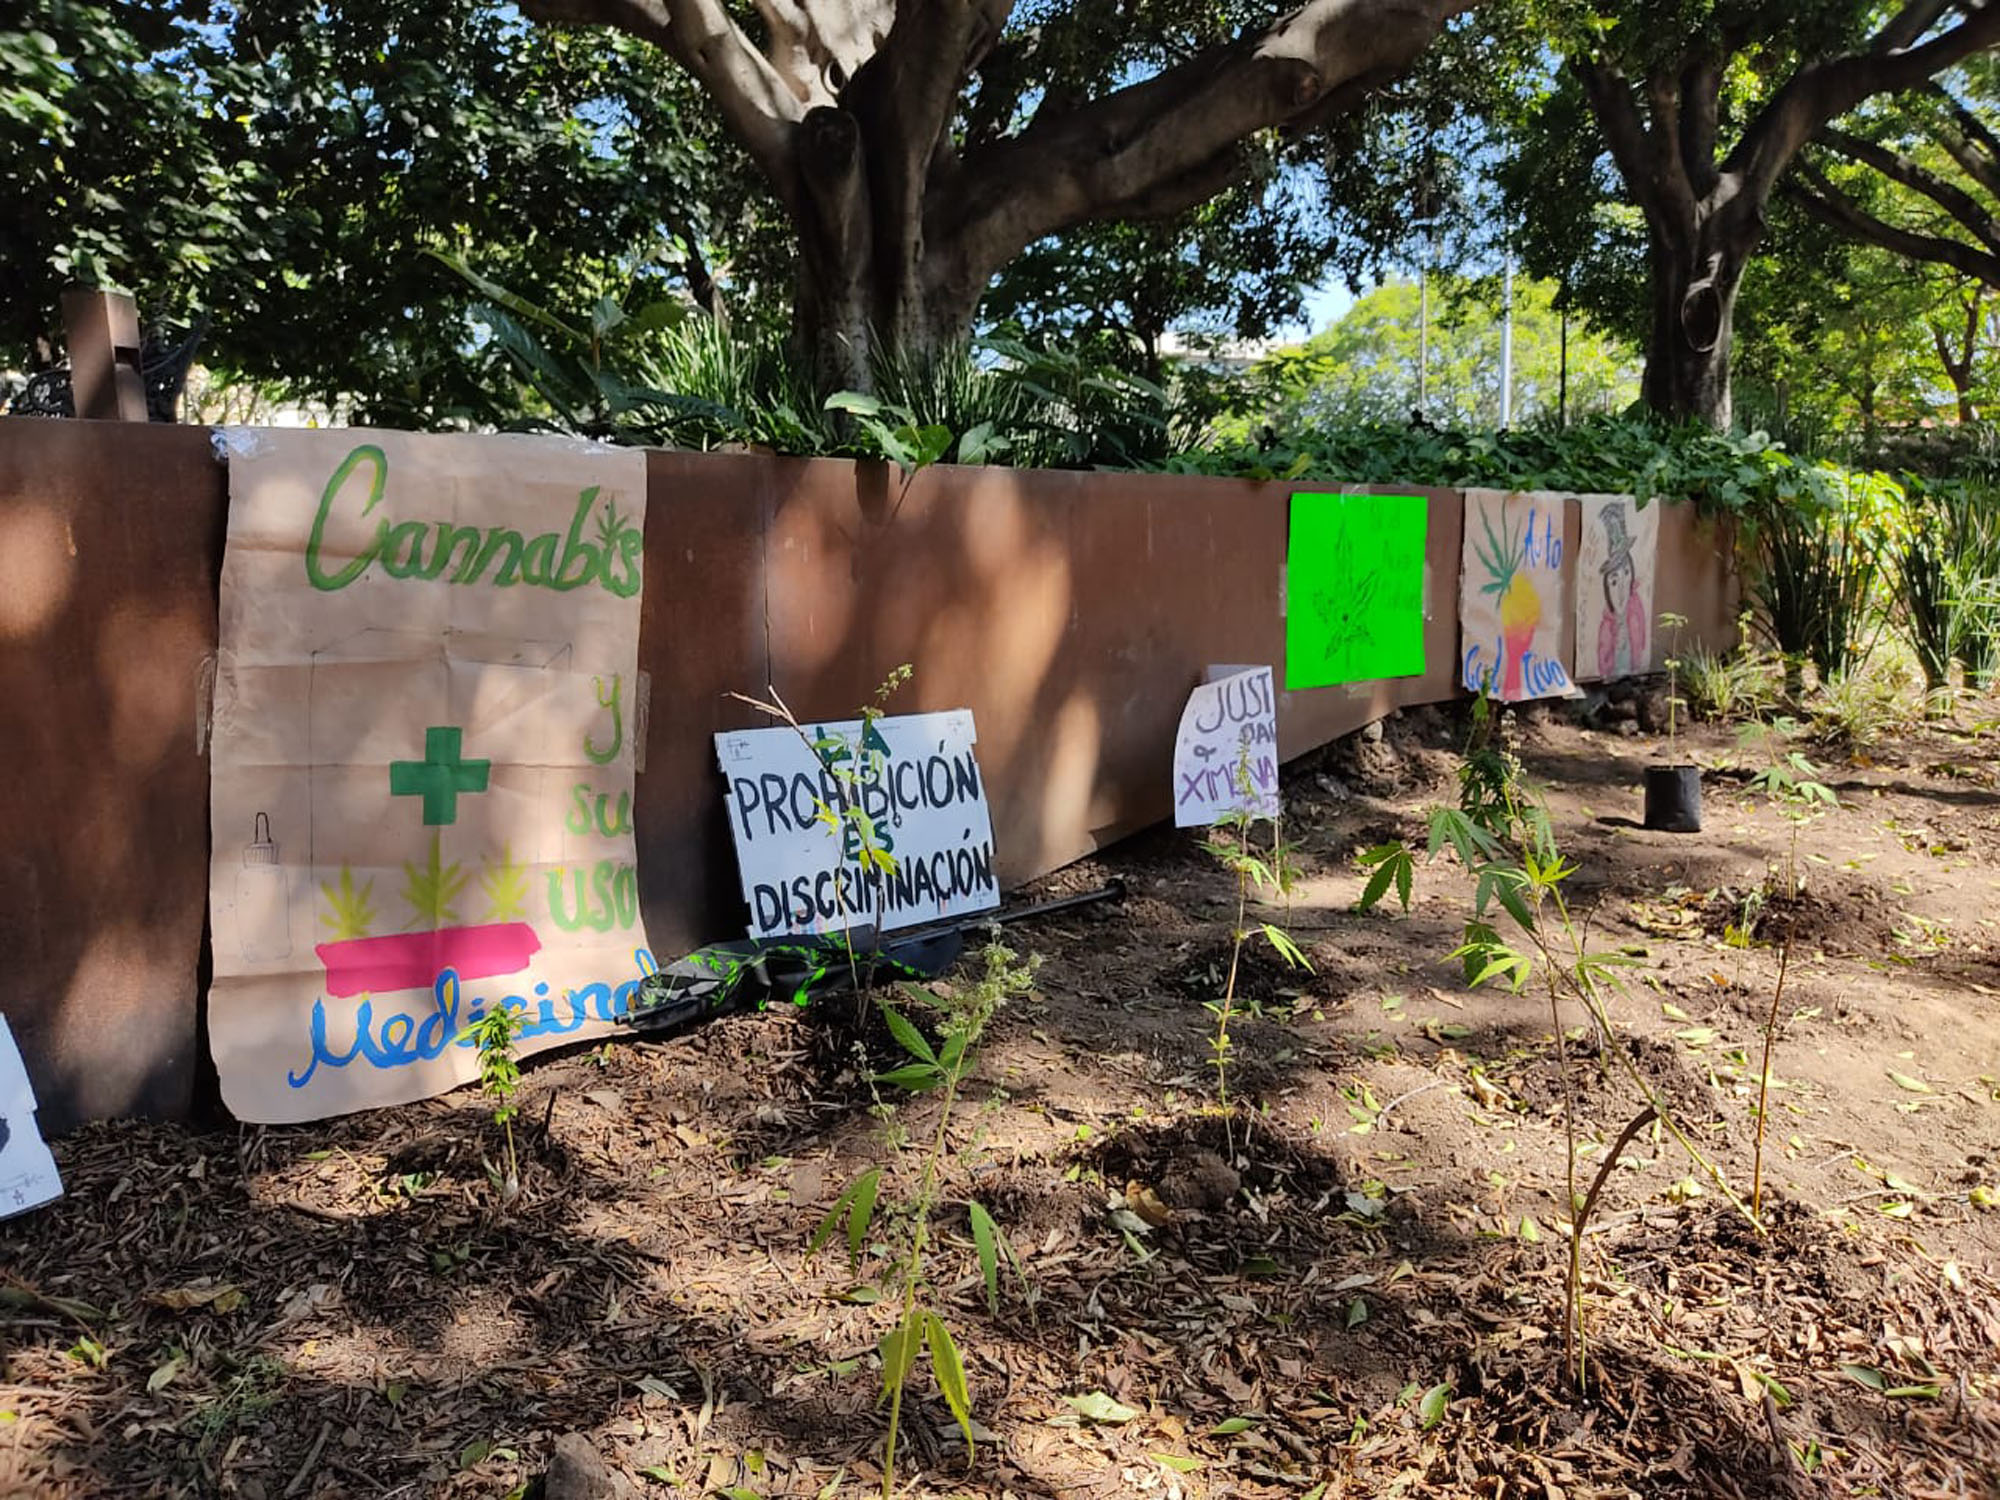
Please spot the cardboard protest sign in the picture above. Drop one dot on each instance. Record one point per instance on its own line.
(1226, 753)
(1510, 596)
(806, 868)
(28, 1176)
(1354, 589)
(1616, 560)
(422, 762)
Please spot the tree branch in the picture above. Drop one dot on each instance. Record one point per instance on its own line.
(1970, 214)
(1701, 107)
(820, 46)
(1967, 141)
(1142, 139)
(1677, 186)
(1167, 200)
(1638, 156)
(1823, 92)
(761, 110)
(1813, 192)
(1908, 24)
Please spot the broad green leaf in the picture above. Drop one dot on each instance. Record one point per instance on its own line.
(1377, 887)
(857, 1203)
(861, 1212)
(950, 1372)
(916, 1077)
(954, 1051)
(1230, 1426)
(1098, 1407)
(984, 1240)
(857, 403)
(1866, 1375)
(904, 1030)
(1431, 1409)
(1905, 1081)
(899, 1351)
(1281, 943)
(1175, 1462)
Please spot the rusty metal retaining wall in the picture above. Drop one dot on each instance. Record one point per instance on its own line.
(1070, 612)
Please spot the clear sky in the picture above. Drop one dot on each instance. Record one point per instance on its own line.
(1327, 304)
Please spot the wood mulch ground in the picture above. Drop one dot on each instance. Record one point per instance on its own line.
(1364, 1300)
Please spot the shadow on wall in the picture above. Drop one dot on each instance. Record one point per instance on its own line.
(110, 545)
(1071, 612)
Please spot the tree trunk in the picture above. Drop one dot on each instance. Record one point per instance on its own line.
(852, 111)
(857, 297)
(1694, 313)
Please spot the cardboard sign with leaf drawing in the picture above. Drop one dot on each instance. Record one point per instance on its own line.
(1511, 597)
(422, 765)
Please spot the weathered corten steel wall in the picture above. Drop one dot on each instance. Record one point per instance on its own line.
(110, 546)
(1070, 612)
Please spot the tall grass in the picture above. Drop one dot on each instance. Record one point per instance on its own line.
(1818, 553)
(1948, 580)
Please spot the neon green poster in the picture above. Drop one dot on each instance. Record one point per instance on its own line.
(1354, 589)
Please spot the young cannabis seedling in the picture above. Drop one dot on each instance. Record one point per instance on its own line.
(941, 1070)
(1505, 840)
(499, 1076)
(1790, 782)
(1674, 623)
(1274, 874)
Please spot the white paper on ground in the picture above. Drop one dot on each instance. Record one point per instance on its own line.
(28, 1176)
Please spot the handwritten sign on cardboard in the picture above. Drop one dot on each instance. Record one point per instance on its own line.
(1615, 564)
(1510, 604)
(422, 762)
(1226, 753)
(807, 868)
(1354, 588)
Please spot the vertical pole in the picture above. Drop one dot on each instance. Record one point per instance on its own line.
(103, 334)
(1507, 343)
(1424, 334)
(1562, 387)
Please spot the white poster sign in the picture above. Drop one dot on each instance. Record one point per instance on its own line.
(422, 764)
(810, 866)
(1226, 753)
(28, 1176)
(1616, 560)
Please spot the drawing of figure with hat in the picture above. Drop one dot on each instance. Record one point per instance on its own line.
(1621, 633)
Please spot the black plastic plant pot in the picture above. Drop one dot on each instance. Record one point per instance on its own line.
(1673, 799)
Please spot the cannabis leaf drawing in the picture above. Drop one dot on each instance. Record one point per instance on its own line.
(350, 910)
(430, 890)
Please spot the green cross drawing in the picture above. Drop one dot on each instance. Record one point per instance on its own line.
(439, 777)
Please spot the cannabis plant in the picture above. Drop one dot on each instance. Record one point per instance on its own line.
(499, 1077)
(1273, 873)
(903, 1227)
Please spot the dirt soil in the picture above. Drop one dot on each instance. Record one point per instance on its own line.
(1355, 1286)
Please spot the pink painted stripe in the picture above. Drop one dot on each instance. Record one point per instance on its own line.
(413, 960)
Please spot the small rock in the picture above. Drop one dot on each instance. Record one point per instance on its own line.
(576, 1472)
(1199, 1180)
(1372, 732)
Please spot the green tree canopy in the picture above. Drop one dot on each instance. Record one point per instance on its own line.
(1700, 109)
(1368, 367)
(284, 168)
